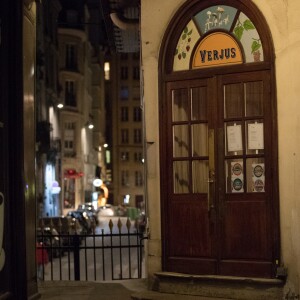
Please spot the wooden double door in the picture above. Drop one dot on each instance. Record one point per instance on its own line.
(218, 176)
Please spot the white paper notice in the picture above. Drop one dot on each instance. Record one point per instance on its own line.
(234, 138)
(256, 136)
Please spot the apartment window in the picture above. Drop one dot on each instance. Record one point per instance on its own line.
(70, 93)
(124, 114)
(124, 136)
(136, 93)
(138, 157)
(138, 178)
(125, 156)
(124, 93)
(137, 136)
(136, 73)
(71, 56)
(137, 114)
(69, 139)
(124, 73)
(125, 178)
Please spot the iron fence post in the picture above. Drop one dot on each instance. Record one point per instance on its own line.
(76, 244)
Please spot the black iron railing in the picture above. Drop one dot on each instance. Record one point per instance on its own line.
(111, 254)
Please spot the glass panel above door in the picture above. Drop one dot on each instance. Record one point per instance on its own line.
(212, 23)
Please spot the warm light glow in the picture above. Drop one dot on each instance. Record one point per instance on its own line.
(105, 145)
(60, 105)
(91, 126)
(106, 70)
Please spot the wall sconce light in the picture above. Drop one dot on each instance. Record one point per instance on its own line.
(89, 125)
(60, 105)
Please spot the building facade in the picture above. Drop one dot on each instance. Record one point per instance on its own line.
(127, 130)
(220, 93)
(83, 115)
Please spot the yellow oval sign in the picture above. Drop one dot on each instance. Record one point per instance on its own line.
(217, 49)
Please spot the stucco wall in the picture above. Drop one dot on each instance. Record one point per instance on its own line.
(284, 24)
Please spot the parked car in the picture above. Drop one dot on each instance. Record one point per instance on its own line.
(64, 226)
(106, 211)
(89, 209)
(83, 219)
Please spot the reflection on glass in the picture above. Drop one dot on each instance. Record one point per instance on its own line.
(233, 138)
(181, 177)
(255, 136)
(180, 105)
(199, 104)
(200, 176)
(254, 98)
(255, 175)
(199, 142)
(180, 141)
(234, 174)
(233, 100)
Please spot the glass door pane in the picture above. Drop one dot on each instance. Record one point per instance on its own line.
(243, 136)
(180, 105)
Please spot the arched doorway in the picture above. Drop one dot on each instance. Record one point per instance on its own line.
(218, 140)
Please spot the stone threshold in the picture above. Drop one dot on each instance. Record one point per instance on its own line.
(229, 287)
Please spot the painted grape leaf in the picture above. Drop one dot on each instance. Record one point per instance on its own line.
(238, 31)
(248, 25)
(255, 46)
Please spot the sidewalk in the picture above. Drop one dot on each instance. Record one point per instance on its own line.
(116, 290)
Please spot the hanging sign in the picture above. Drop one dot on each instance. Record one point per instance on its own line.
(217, 49)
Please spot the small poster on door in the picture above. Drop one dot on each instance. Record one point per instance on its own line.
(234, 138)
(258, 178)
(256, 136)
(237, 177)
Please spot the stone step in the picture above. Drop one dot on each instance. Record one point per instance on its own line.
(151, 295)
(213, 286)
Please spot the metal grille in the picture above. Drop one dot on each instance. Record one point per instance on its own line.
(98, 256)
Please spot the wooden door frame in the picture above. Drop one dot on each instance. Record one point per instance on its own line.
(166, 74)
